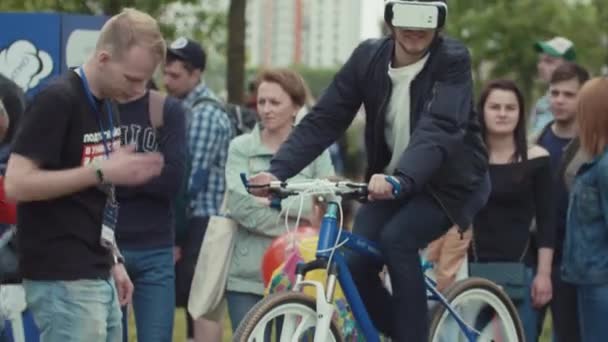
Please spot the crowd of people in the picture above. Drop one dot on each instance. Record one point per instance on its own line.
(115, 182)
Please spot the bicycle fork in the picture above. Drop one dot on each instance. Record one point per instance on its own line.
(324, 301)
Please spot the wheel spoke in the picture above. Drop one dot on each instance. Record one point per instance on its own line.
(286, 317)
(289, 326)
(258, 334)
(481, 309)
(300, 329)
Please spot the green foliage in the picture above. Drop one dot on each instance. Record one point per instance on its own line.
(317, 79)
(44, 6)
(501, 34)
(154, 7)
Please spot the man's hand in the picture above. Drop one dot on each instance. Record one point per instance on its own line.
(379, 188)
(128, 168)
(124, 286)
(262, 178)
(542, 290)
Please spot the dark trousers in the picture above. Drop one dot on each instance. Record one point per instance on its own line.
(563, 310)
(401, 228)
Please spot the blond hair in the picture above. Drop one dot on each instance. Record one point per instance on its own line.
(129, 28)
(592, 115)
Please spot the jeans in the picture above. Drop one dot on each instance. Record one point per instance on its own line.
(239, 304)
(563, 310)
(527, 313)
(401, 228)
(80, 310)
(153, 277)
(592, 312)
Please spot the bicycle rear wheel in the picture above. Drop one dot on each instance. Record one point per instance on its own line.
(285, 316)
(484, 307)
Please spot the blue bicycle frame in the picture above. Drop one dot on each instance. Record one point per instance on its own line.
(327, 240)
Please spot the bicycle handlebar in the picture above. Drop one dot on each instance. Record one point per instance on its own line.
(345, 189)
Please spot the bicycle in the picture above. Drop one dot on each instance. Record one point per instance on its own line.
(468, 311)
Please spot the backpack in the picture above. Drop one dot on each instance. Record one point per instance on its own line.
(242, 118)
(180, 205)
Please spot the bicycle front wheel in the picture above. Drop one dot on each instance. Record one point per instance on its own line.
(281, 317)
(483, 306)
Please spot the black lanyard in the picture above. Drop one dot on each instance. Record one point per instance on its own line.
(85, 84)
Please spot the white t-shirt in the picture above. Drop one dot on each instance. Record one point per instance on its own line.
(397, 124)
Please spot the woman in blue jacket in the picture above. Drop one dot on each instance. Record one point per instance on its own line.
(585, 261)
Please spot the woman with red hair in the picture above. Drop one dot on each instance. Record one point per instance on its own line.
(585, 257)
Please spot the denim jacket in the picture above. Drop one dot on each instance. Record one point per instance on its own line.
(585, 259)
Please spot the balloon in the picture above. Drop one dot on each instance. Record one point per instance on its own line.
(280, 248)
(8, 210)
(283, 279)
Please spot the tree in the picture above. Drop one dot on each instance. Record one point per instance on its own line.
(602, 13)
(501, 34)
(108, 7)
(317, 79)
(236, 51)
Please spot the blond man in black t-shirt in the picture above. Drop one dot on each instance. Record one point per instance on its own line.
(65, 163)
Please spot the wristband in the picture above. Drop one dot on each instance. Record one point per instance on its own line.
(406, 185)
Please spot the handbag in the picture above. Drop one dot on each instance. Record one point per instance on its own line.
(213, 263)
(510, 276)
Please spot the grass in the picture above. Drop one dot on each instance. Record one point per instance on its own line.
(179, 329)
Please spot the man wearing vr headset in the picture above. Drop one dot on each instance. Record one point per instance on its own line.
(421, 133)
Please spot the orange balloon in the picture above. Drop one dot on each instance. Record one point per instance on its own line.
(8, 210)
(280, 248)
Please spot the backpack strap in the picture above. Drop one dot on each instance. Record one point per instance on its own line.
(211, 101)
(155, 107)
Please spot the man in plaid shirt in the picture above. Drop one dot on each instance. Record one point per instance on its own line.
(209, 134)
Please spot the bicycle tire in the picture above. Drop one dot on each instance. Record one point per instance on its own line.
(461, 287)
(253, 317)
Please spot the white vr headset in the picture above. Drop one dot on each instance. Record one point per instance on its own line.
(415, 15)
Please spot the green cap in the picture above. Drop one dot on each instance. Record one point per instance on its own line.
(557, 47)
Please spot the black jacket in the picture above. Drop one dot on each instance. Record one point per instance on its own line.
(446, 155)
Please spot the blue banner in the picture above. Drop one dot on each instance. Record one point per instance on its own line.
(29, 47)
(79, 35)
(34, 47)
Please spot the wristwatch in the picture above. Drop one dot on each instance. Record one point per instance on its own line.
(117, 258)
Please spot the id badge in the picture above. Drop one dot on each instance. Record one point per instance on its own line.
(108, 225)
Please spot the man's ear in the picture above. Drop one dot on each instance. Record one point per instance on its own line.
(197, 74)
(102, 57)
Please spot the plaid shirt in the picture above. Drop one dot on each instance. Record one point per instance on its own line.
(209, 134)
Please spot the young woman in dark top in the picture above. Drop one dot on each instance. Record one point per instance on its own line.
(521, 191)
